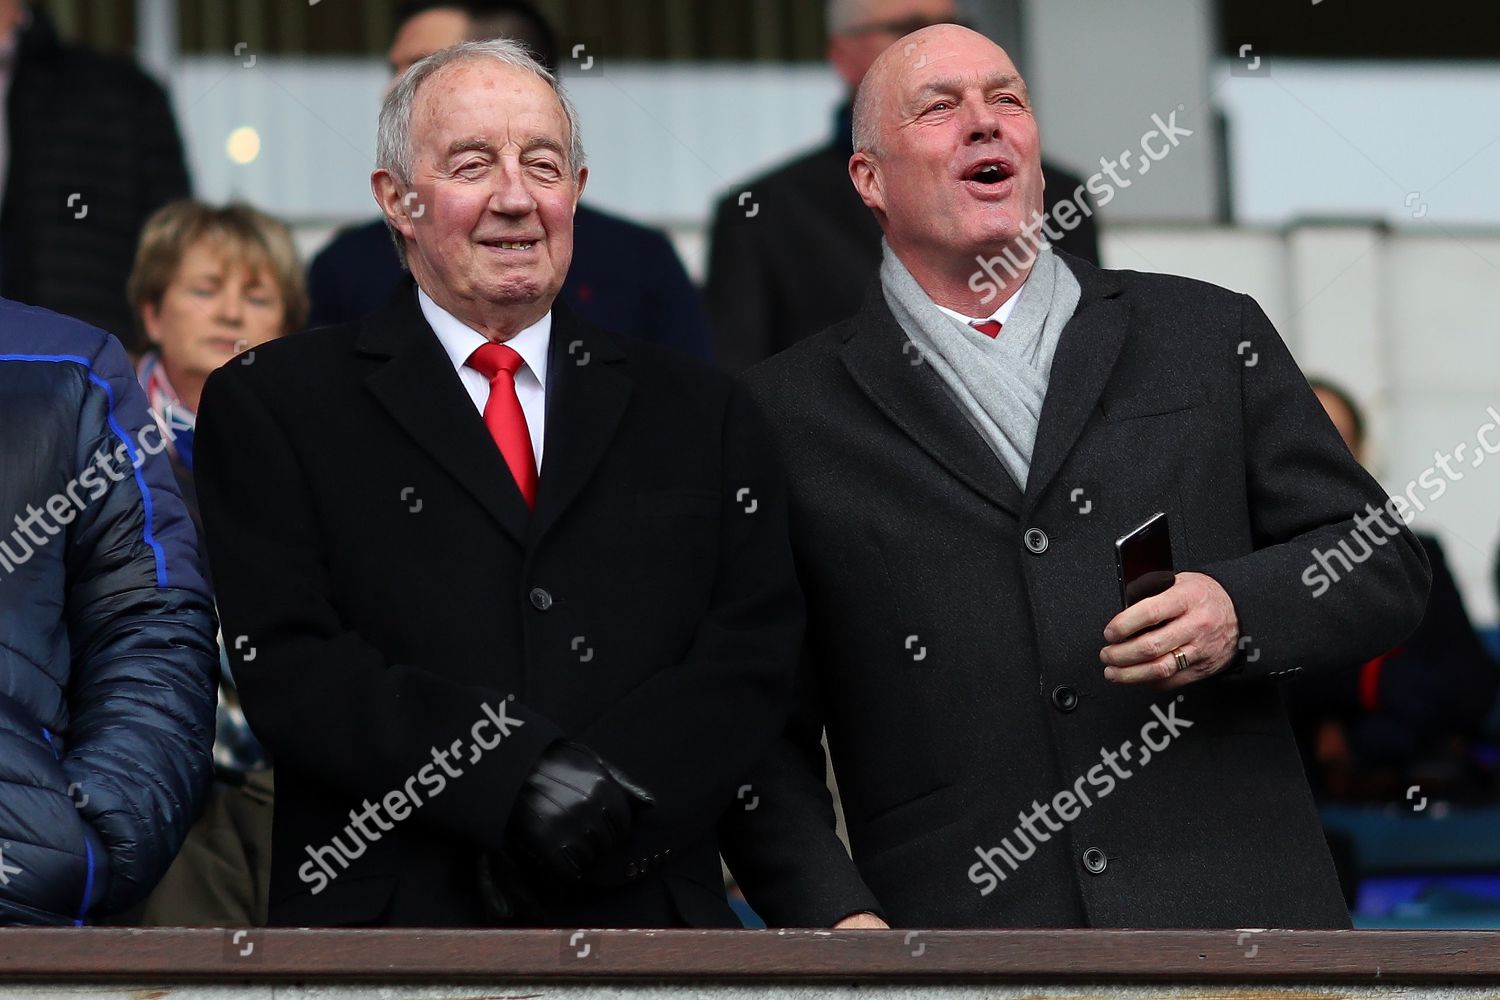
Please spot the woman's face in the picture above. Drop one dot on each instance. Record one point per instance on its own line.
(211, 311)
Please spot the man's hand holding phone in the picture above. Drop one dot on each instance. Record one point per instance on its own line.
(1186, 633)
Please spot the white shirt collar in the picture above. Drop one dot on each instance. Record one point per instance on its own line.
(460, 340)
(1000, 315)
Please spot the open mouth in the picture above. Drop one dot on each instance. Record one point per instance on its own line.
(509, 244)
(988, 172)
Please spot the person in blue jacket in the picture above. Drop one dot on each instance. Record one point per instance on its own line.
(108, 663)
(625, 277)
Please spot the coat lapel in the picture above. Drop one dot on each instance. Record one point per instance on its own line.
(419, 388)
(879, 358)
(587, 393)
(1086, 354)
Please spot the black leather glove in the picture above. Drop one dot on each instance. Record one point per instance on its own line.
(573, 810)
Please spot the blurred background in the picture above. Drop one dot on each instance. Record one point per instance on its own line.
(1336, 160)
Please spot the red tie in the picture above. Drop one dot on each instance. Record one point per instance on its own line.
(989, 327)
(503, 414)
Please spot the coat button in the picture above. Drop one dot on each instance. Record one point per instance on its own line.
(540, 599)
(1094, 860)
(1036, 541)
(1064, 698)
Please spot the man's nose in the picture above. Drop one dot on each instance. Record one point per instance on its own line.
(511, 195)
(982, 123)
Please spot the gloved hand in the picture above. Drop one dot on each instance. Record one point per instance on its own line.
(573, 810)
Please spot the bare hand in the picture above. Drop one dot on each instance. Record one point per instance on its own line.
(861, 922)
(1194, 615)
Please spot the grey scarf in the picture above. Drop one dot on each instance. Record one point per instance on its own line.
(999, 383)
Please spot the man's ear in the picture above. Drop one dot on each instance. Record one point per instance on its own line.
(396, 205)
(864, 171)
(583, 179)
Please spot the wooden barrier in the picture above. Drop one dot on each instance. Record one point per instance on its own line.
(749, 961)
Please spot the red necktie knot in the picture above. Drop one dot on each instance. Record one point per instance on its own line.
(989, 327)
(492, 359)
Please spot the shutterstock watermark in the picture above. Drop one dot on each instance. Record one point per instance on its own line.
(987, 872)
(399, 803)
(41, 524)
(1330, 566)
(1068, 214)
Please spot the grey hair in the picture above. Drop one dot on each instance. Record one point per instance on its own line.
(866, 132)
(393, 150)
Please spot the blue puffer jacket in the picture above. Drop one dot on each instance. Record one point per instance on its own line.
(108, 662)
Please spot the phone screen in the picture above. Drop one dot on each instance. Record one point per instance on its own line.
(1144, 561)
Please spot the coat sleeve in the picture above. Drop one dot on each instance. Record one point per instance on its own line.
(782, 843)
(141, 626)
(1311, 504)
(322, 699)
(737, 674)
(780, 839)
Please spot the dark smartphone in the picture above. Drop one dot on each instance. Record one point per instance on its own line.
(1143, 560)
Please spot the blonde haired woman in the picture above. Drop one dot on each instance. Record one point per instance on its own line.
(210, 283)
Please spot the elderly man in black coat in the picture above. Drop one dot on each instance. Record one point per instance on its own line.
(1013, 748)
(493, 575)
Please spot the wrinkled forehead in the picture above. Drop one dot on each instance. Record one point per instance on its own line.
(484, 94)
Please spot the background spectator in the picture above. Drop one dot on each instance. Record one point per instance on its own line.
(1412, 714)
(89, 149)
(209, 283)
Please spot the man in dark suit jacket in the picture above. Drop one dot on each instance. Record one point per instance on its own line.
(625, 277)
(480, 681)
(90, 150)
(1013, 749)
(795, 255)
